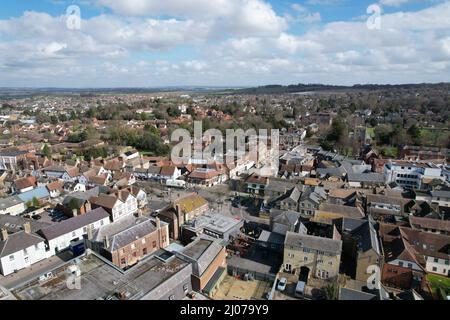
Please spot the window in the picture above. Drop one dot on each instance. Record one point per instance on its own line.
(436, 260)
(434, 269)
(305, 259)
(144, 251)
(400, 263)
(290, 255)
(447, 262)
(185, 287)
(287, 267)
(154, 244)
(36, 247)
(122, 261)
(85, 229)
(143, 240)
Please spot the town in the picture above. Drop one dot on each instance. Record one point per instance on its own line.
(353, 205)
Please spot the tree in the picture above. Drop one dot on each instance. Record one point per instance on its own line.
(332, 291)
(47, 151)
(35, 202)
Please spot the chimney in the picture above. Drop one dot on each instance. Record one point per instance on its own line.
(74, 212)
(158, 223)
(89, 232)
(27, 227)
(106, 242)
(4, 234)
(88, 206)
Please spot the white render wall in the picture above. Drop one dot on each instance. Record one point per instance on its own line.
(23, 259)
(441, 266)
(122, 209)
(63, 242)
(14, 210)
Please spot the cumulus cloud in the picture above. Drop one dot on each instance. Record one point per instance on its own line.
(249, 46)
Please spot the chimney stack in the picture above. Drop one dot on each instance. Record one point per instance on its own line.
(106, 242)
(4, 234)
(27, 227)
(158, 223)
(88, 206)
(89, 232)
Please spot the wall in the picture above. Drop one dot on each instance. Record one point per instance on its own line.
(34, 255)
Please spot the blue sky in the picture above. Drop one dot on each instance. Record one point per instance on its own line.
(222, 42)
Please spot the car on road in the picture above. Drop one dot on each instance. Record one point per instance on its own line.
(37, 217)
(282, 284)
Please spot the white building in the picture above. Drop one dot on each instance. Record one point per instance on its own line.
(12, 206)
(409, 175)
(60, 236)
(118, 206)
(20, 250)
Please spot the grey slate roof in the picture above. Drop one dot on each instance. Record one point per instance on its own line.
(366, 177)
(9, 202)
(72, 224)
(17, 242)
(312, 242)
(137, 231)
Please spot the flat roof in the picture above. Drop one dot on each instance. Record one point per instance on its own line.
(100, 280)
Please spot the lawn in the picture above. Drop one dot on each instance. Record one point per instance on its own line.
(439, 283)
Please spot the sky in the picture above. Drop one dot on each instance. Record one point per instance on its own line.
(155, 43)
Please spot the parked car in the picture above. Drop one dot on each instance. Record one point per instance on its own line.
(282, 284)
(37, 217)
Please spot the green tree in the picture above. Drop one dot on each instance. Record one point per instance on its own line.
(47, 151)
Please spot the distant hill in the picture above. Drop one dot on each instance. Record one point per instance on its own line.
(299, 88)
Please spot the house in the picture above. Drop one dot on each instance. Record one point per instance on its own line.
(181, 211)
(255, 184)
(20, 250)
(12, 205)
(10, 158)
(203, 177)
(123, 179)
(327, 213)
(58, 237)
(360, 246)
(311, 256)
(342, 196)
(119, 204)
(283, 221)
(77, 203)
(25, 184)
(206, 256)
(310, 200)
(425, 224)
(139, 194)
(289, 201)
(381, 206)
(397, 277)
(129, 240)
(68, 174)
(55, 189)
(169, 173)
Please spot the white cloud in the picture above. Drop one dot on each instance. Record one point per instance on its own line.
(253, 46)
